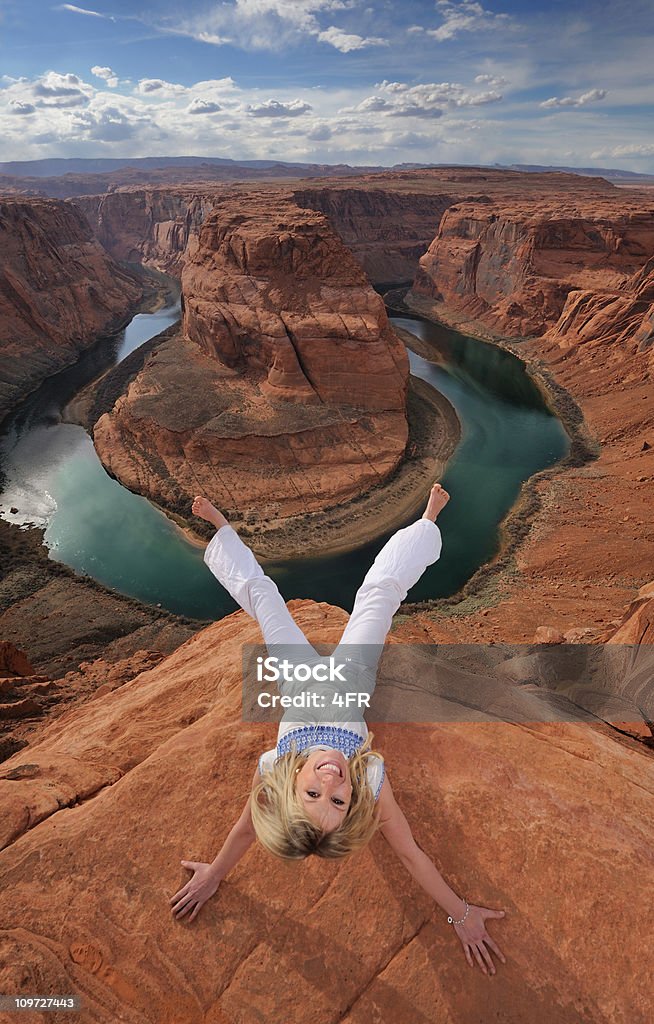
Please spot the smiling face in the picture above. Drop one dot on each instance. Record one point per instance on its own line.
(324, 788)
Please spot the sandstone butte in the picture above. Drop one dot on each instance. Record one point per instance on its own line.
(285, 392)
(59, 290)
(549, 821)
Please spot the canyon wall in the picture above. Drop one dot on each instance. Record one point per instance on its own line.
(386, 231)
(286, 392)
(619, 322)
(157, 226)
(517, 818)
(387, 220)
(59, 290)
(510, 265)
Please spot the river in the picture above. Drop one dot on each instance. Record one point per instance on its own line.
(54, 480)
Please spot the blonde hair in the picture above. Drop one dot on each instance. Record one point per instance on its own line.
(285, 829)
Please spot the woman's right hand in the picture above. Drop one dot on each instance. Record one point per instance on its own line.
(196, 892)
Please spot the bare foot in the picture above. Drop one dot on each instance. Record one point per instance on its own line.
(203, 508)
(438, 499)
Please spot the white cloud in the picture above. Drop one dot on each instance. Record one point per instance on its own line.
(109, 124)
(340, 121)
(268, 25)
(319, 133)
(201, 106)
(627, 149)
(398, 99)
(158, 85)
(16, 107)
(83, 10)
(467, 16)
(56, 90)
(495, 81)
(106, 74)
(593, 96)
(347, 41)
(273, 108)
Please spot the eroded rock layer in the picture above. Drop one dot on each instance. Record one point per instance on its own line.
(386, 231)
(154, 226)
(617, 322)
(511, 264)
(388, 220)
(287, 392)
(59, 290)
(518, 818)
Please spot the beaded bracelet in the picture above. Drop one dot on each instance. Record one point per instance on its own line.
(451, 920)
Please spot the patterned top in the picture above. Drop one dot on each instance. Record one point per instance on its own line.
(328, 736)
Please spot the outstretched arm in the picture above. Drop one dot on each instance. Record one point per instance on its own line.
(207, 877)
(237, 843)
(472, 932)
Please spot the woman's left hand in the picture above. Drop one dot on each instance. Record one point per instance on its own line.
(474, 938)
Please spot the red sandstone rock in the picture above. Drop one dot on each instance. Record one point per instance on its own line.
(637, 624)
(22, 708)
(272, 287)
(14, 662)
(615, 322)
(387, 220)
(59, 290)
(289, 395)
(154, 226)
(386, 231)
(577, 267)
(512, 265)
(548, 635)
(516, 817)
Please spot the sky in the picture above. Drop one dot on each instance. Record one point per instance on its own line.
(331, 81)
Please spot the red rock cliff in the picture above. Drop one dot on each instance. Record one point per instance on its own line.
(154, 226)
(589, 543)
(619, 322)
(386, 231)
(59, 290)
(510, 265)
(270, 286)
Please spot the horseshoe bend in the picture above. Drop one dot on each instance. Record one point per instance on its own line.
(285, 392)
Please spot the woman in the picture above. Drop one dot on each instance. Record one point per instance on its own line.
(323, 790)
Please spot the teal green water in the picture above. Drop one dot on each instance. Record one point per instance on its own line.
(54, 479)
(508, 434)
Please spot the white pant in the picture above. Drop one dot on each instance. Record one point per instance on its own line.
(398, 566)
